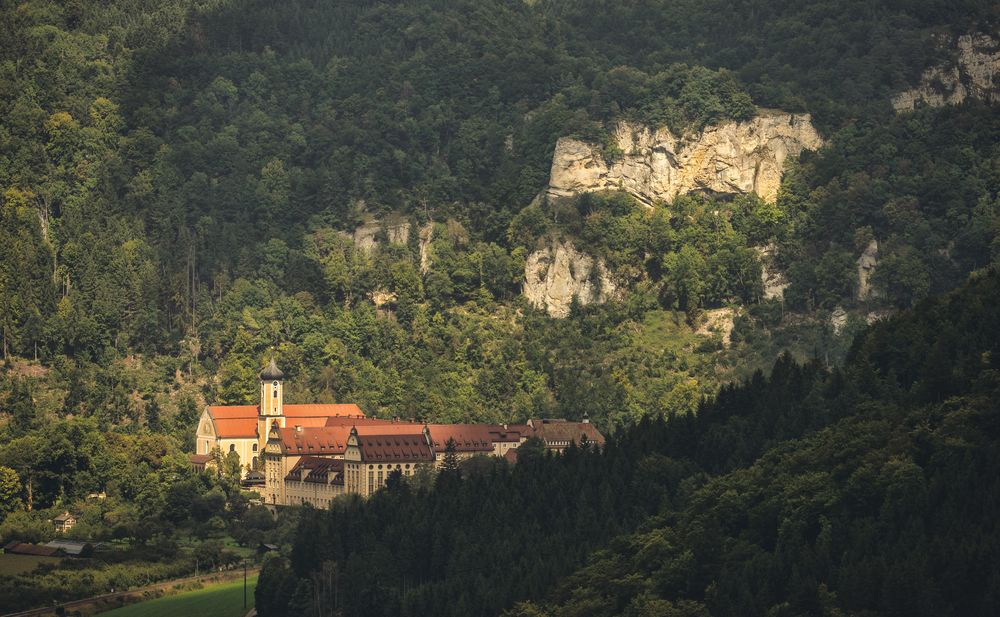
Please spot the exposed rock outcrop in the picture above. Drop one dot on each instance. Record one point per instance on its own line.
(773, 280)
(396, 232)
(734, 157)
(838, 319)
(866, 267)
(365, 238)
(975, 73)
(426, 236)
(718, 321)
(553, 276)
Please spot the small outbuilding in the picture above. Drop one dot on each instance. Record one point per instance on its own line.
(264, 547)
(64, 522)
(72, 547)
(38, 550)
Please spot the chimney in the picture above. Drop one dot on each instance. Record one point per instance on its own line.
(298, 428)
(586, 418)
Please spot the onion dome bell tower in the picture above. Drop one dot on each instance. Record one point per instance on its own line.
(271, 392)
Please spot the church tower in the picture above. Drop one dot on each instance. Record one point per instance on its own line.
(272, 408)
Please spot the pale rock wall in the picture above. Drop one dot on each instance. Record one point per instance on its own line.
(397, 233)
(866, 267)
(734, 157)
(975, 74)
(426, 236)
(718, 321)
(838, 319)
(552, 276)
(772, 279)
(364, 236)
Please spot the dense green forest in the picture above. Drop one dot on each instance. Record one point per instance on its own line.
(179, 185)
(868, 489)
(174, 177)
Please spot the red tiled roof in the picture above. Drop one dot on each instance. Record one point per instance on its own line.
(324, 410)
(511, 455)
(240, 421)
(467, 437)
(314, 440)
(395, 448)
(510, 433)
(200, 459)
(231, 428)
(400, 428)
(306, 421)
(356, 421)
(232, 411)
(332, 440)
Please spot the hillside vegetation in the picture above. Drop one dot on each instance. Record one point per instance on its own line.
(179, 184)
(871, 488)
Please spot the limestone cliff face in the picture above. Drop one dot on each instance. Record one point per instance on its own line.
(735, 157)
(974, 74)
(397, 232)
(552, 276)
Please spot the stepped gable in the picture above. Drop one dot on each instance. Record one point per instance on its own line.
(395, 448)
(467, 437)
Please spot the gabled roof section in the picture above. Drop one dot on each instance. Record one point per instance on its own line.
(357, 421)
(314, 440)
(233, 411)
(317, 469)
(323, 410)
(467, 437)
(556, 431)
(508, 433)
(398, 448)
(398, 428)
(236, 428)
(240, 421)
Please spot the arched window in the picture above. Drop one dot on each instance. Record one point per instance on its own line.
(232, 447)
(255, 447)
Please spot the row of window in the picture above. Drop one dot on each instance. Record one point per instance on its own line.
(232, 447)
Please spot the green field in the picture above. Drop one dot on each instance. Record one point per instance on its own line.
(21, 564)
(223, 600)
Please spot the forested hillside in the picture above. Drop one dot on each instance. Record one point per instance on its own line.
(181, 183)
(871, 488)
(175, 176)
